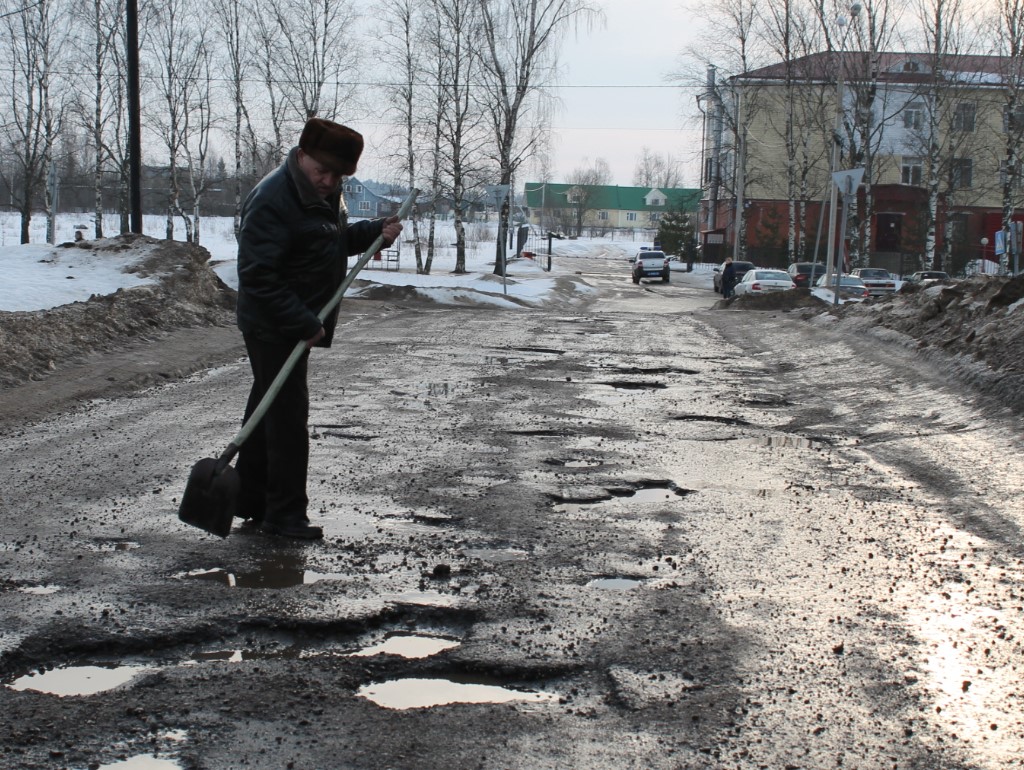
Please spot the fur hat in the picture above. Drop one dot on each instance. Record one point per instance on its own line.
(336, 146)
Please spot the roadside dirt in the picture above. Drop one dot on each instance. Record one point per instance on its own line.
(976, 324)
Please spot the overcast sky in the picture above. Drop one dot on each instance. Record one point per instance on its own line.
(615, 96)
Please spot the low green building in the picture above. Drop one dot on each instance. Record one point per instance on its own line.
(591, 209)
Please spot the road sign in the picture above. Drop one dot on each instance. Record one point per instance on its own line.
(848, 181)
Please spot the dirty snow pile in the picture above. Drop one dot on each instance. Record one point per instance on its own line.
(169, 285)
(61, 302)
(976, 325)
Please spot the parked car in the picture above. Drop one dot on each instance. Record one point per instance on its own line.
(741, 269)
(650, 264)
(927, 276)
(850, 287)
(760, 281)
(879, 282)
(806, 274)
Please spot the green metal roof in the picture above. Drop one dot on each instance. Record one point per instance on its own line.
(551, 195)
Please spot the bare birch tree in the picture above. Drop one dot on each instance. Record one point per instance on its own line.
(462, 128)
(1011, 47)
(32, 45)
(518, 58)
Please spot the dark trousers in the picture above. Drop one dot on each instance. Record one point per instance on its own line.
(273, 462)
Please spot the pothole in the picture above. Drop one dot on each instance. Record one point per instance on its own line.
(766, 400)
(539, 433)
(413, 693)
(107, 546)
(787, 442)
(39, 590)
(79, 680)
(615, 583)
(653, 491)
(575, 463)
(497, 554)
(269, 575)
(634, 385)
(710, 418)
(412, 646)
(648, 370)
(141, 762)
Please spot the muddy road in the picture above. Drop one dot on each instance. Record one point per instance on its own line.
(638, 533)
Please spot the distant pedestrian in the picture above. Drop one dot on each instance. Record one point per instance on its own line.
(728, 278)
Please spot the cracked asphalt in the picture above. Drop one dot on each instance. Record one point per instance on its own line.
(636, 533)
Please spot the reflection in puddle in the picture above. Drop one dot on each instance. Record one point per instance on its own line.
(425, 693)
(78, 680)
(285, 571)
(788, 442)
(615, 584)
(408, 646)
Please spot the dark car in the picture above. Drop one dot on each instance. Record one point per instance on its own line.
(806, 274)
(741, 269)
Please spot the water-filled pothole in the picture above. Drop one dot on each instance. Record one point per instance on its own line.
(787, 442)
(634, 385)
(413, 693)
(642, 492)
(408, 646)
(575, 463)
(270, 575)
(78, 680)
(615, 584)
(141, 762)
(711, 418)
(652, 370)
(497, 554)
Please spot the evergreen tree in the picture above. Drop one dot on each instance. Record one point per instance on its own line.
(677, 235)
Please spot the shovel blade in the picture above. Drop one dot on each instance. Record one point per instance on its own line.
(210, 498)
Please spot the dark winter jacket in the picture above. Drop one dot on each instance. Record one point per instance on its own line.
(293, 250)
(729, 276)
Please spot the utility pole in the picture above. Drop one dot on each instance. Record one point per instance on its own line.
(134, 117)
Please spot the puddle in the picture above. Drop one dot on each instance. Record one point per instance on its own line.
(787, 442)
(658, 370)
(273, 575)
(634, 385)
(141, 762)
(497, 554)
(408, 646)
(539, 433)
(711, 418)
(105, 546)
(649, 492)
(615, 584)
(422, 598)
(78, 680)
(581, 463)
(39, 590)
(426, 693)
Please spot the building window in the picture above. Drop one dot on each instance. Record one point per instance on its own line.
(961, 174)
(657, 202)
(913, 171)
(911, 66)
(1017, 182)
(709, 170)
(913, 115)
(602, 215)
(364, 205)
(655, 216)
(631, 216)
(1014, 122)
(963, 116)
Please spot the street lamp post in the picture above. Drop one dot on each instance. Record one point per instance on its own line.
(834, 192)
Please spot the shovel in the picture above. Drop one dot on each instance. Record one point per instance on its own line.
(211, 494)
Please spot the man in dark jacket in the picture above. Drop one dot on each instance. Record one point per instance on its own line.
(293, 249)
(728, 278)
